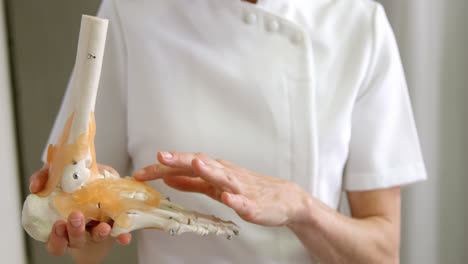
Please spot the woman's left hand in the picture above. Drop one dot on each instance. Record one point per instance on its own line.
(256, 198)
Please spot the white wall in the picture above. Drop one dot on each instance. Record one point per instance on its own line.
(11, 243)
(433, 39)
(421, 50)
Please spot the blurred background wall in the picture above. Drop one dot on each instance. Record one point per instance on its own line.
(433, 39)
(11, 245)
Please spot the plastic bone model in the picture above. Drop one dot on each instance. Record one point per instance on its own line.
(75, 182)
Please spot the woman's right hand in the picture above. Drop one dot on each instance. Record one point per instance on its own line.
(88, 243)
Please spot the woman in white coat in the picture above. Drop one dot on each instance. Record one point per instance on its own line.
(307, 98)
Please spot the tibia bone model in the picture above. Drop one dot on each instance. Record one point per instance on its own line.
(75, 183)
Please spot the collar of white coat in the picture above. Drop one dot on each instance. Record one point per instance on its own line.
(270, 5)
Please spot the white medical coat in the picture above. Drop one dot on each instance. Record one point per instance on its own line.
(309, 91)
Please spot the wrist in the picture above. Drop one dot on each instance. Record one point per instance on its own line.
(305, 213)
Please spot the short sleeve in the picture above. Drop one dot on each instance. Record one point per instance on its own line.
(111, 100)
(384, 147)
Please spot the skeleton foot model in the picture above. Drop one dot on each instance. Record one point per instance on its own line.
(75, 182)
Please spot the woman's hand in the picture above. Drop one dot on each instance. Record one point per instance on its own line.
(257, 198)
(88, 243)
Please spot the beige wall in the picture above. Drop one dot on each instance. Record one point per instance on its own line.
(43, 36)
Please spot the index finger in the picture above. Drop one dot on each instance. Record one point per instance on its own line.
(159, 171)
(58, 240)
(184, 160)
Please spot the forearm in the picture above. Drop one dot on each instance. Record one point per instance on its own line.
(336, 238)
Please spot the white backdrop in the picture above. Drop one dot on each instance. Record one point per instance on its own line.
(433, 40)
(11, 243)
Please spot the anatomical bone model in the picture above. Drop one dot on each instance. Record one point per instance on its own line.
(75, 182)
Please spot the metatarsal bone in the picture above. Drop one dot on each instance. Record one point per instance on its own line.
(176, 220)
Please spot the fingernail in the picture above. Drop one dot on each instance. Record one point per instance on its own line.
(75, 222)
(139, 172)
(60, 230)
(166, 155)
(30, 186)
(201, 162)
(102, 235)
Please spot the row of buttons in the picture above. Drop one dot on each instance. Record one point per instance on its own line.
(271, 26)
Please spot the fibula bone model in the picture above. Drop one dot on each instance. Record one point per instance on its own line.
(75, 183)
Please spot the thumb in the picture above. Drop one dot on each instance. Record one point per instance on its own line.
(39, 179)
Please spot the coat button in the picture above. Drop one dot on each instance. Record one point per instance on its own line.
(250, 18)
(272, 26)
(297, 38)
